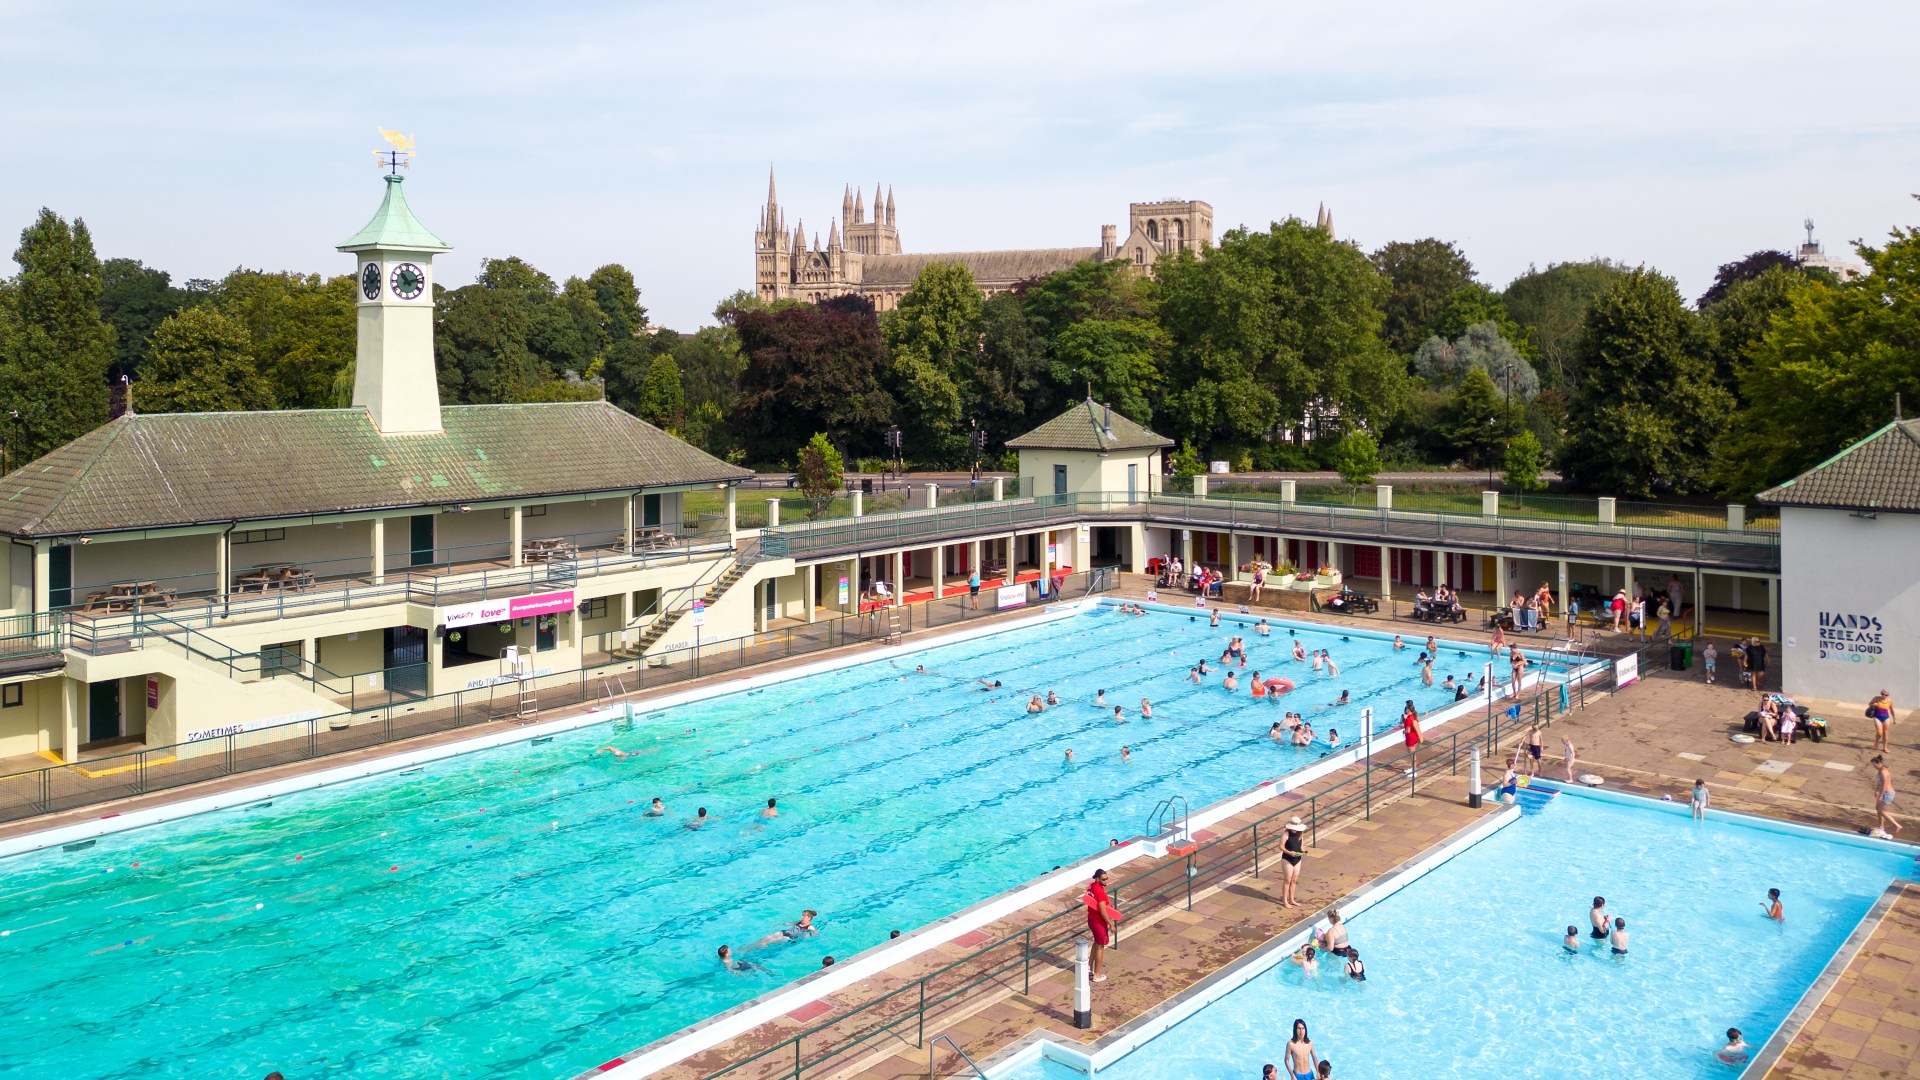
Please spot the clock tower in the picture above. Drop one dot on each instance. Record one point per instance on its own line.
(393, 375)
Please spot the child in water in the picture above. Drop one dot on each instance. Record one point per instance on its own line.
(1774, 910)
(1572, 941)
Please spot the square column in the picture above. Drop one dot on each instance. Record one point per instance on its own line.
(732, 506)
(1386, 575)
(999, 488)
(73, 711)
(1773, 610)
(626, 534)
(379, 531)
(222, 565)
(939, 568)
(813, 590)
(859, 502)
(899, 576)
(974, 552)
(1013, 562)
(1137, 548)
(1560, 594)
(514, 536)
(773, 513)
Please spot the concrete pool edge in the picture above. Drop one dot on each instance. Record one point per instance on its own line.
(1118, 1043)
(112, 823)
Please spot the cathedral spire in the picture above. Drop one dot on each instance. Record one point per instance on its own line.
(800, 236)
(859, 207)
(833, 235)
(889, 204)
(846, 203)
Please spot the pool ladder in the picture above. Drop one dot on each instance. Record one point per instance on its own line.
(948, 1039)
(1165, 814)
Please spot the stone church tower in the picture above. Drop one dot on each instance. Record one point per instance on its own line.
(862, 255)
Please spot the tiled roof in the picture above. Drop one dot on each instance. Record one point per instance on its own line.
(194, 468)
(987, 267)
(1880, 472)
(1086, 427)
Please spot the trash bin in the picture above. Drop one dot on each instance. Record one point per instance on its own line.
(1681, 655)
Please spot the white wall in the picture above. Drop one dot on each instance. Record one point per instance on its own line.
(1860, 578)
(1088, 471)
(153, 559)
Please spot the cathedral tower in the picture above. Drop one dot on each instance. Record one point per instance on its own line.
(773, 256)
(878, 236)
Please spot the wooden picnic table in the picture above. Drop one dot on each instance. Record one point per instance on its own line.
(129, 596)
(274, 576)
(547, 548)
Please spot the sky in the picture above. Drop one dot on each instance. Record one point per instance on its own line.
(199, 138)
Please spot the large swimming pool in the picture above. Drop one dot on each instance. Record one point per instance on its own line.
(515, 912)
(1467, 977)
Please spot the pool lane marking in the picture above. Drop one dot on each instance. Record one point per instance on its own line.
(31, 926)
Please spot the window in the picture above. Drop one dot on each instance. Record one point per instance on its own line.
(526, 511)
(280, 659)
(1153, 230)
(1133, 482)
(12, 696)
(594, 609)
(259, 536)
(1139, 257)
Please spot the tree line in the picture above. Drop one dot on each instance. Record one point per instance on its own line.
(1278, 349)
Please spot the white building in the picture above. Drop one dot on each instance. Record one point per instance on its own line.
(1850, 571)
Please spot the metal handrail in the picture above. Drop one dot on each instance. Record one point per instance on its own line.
(943, 1037)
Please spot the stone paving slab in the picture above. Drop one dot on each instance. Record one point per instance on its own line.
(1867, 1027)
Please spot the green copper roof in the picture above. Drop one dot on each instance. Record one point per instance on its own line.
(394, 226)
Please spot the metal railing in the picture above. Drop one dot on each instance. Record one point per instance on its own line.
(406, 713)
(1665, 544)
(1008, 963)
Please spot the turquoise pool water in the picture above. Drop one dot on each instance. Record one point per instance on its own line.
(1466, 976)
(513, 912)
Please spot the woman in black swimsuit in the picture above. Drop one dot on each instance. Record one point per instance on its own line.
(1292, 850)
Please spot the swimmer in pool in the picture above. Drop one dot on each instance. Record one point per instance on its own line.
(1035, 705)
(658, 809)
(771, 810)
(1126, 754)
(1069, 757)
(1118, 716)
(1461, 693)
(1346, 698)
(1299, 650)
(1397, 643)
(618, 754)
(1319, 660)
(985, 685)
(699, 818)
(1307, 959)
(1572, 942)
(1193, 675)
(1303, 735)
(1598, 918)
(1100, 698)
(1204, 669)
(1146, 709)
(737, 967)
(1262, 628)
(1774, 911)
(1618, 939)
(1736, 1051)
(1215, 621)
(1275, 733)
(1356, 970)
(1230, 682)
(1446, 683)
(1333, 738)
(1433, 647)
(801, 929)
(1052, 699)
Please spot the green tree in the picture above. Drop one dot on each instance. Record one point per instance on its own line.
(201, 360)
(568, 332)
(1827, 370)
(1272, 332)
(1745, 269)
(1647, 410)
(1551, 305)
(1524, 461)
(1186, 461)
(661, 398)
(481, 342)
(54, 371)
(1745, 311)
(1481, 347)
(617, 298)
(819, 474)
(301, 331)
(1116, 360)
(1476, 305)
(1014, 377)
(1475, 423)
(1357, 458)
(1422, 274)
(934, 334)
(134, 299)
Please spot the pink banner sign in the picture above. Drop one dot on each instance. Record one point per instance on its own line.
(487, 611)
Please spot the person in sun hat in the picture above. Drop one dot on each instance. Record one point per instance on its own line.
(1292, 850)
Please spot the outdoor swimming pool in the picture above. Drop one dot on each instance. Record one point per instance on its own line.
(513, 912)
(1466, 976)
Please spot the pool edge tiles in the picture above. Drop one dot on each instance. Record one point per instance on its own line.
(1090, 1058)
(195, 805)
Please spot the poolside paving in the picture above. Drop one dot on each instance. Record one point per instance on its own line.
(1867, 1027)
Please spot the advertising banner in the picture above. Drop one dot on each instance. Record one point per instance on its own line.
(1010, 596)
(1626, 670)
(487, 611)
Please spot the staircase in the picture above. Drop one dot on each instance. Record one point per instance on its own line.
(730, 572)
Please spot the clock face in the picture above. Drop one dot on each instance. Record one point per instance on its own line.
(409, 281)
(370, 281)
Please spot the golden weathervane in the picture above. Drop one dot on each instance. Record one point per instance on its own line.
(397, 158)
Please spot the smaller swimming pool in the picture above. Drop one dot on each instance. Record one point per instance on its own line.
(1467, 976)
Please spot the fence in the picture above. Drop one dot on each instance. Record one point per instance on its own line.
(1008, 964)
(406, 714)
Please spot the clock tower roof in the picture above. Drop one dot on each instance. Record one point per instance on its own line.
(394, 227)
